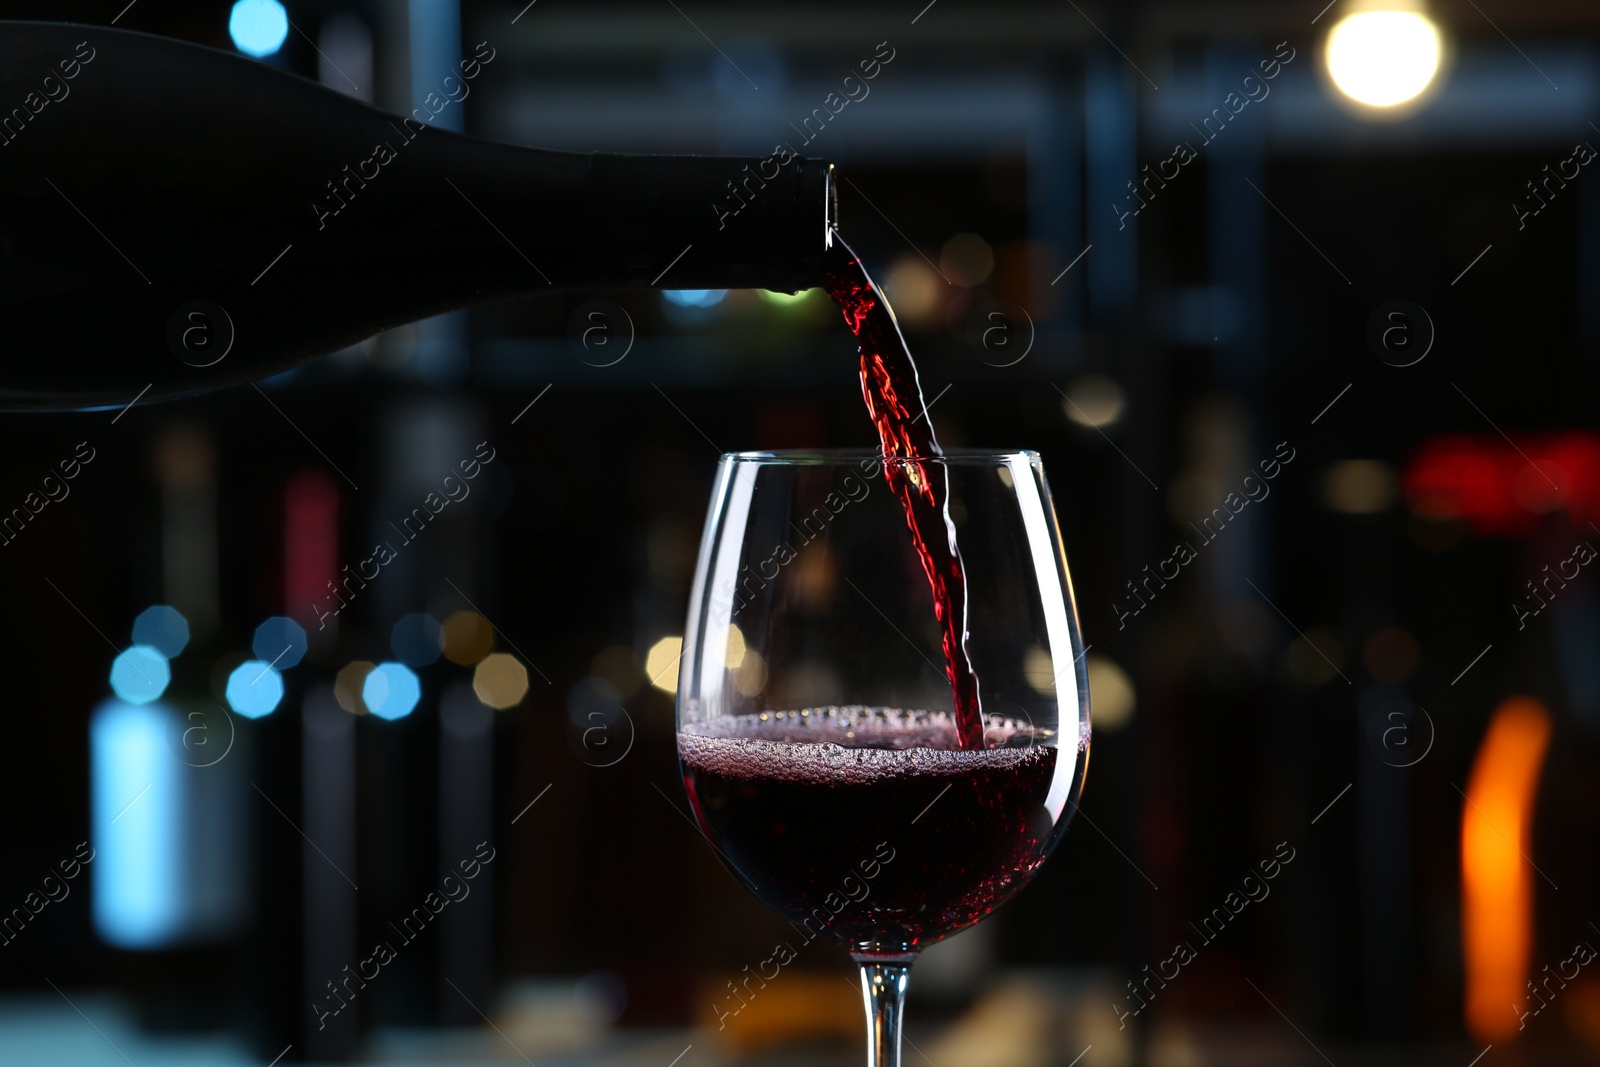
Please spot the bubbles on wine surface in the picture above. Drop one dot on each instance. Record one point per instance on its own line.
(854, 744)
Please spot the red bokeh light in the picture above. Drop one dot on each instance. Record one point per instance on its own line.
(1505, 490)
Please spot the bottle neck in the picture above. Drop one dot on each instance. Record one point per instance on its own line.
(194, 220)
(708, 222)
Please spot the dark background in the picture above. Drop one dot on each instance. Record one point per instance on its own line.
(1228, 318)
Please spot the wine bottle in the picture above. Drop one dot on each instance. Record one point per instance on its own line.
(178, 219)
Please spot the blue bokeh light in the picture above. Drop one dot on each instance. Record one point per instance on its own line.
(280, 641)
(140, 674)
(162, 628)
(258, 27)
(136, 824)
(415, 639)
(254, 689)
(391, 691)
(694, 298)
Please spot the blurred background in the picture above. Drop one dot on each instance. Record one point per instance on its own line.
(1300, 308)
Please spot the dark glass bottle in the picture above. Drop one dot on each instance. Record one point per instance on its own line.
(182, 219)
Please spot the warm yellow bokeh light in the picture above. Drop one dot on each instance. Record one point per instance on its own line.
(1383, 58)
(348, 683)
(661, 663)
(466, 637)
(1359, 486)
(1039, 670)
(751, 677)
(734, 656)
(500, 681)
(1094, 400)
(967, 259)
(1111, 695)
(916, 291)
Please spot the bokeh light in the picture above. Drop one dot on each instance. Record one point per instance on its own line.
(1498, 891)
(1039, 670)
(280, 641)
(967, 259)
(163, 629)
(916, 291)
(500, 681)
(139, 674)
(694, 298)
(136, 811)
(661, 663)
(258, 27)
(690, 309)
(1111, 694)
(466, 637)
(751, 677)
(1360, 486)
(733, 655)
(348, 683)
(1383, 58)
(391, 691)
(600, 998)
(254, 689)
(1094, 400)
(749, 670)
(771, 296)
(415, 639)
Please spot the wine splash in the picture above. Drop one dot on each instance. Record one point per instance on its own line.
(912, 467)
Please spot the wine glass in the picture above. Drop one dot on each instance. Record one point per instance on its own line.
(818, 733)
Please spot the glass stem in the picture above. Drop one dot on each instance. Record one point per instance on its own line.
(883, 987)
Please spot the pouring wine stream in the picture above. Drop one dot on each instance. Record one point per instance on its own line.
(912, 467)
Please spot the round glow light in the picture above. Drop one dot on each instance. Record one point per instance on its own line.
(917, 291)
(139, 674)
(661, 663)
(258, 27)
(466, 637)
(1094, 401)
(254, 689)
(694, 298)
(280, 641)
(391, 691)
(500, 681)
(415, 639)
(1039, 671)
(967, 260)
(1383, 58)
(348, 684)
(733, 658)
(162, 628)
(1111, 693)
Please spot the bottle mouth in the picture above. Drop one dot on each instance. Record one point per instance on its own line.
(815, 183)
(830, 204)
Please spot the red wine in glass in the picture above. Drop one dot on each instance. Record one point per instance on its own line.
(893, 393)
(870, 826)
(883, 829)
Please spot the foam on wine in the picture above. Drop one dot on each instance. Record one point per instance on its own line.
(851, 745)
(912, 468)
